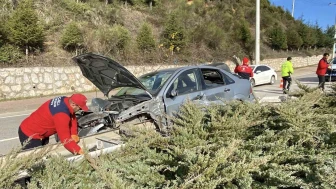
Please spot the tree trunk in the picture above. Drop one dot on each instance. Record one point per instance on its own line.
(14, 4)
(151, 5)
(27, 53)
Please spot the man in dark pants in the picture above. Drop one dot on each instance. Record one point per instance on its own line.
(322, 70)
(286, 72)
(54, 116)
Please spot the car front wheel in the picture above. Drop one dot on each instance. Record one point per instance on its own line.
(272, 81)
(252, 82)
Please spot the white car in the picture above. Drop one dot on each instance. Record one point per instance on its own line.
(263, 74)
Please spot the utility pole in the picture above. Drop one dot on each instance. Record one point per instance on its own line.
(257, 37)
(334, 48)
(333, 54)
(293, 8)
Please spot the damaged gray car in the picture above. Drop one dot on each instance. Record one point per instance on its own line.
(153, 97)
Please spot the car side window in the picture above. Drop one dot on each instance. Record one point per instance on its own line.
(185, 83)
(228, 80)
(212, 78)
(264, 68)
(258, 69)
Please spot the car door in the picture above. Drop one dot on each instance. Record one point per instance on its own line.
(262, 74)
(267, 72)
(217, 86)
(185, 86)
(257, 75)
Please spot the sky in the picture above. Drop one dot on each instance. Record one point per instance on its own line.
(311, 11)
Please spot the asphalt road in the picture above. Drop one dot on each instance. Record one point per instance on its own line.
(8, 134)
(10, 120)
(307, 77)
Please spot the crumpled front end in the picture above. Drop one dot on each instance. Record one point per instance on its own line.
(152, 109)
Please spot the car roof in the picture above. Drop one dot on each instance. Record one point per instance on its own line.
(217, 64)
(182, 68)
(260, 65)
(165, 70)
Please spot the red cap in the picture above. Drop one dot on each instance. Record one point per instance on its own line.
(80, 100)
(245, 60)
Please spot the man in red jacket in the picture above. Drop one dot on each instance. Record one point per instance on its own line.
(322, 70)
(54, 116)
(244, 70)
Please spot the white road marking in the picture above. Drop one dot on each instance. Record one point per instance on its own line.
(8, 139)
(266, 90)
(14, 116)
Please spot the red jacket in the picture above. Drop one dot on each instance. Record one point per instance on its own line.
(244, 71)
(54, 116)
(322, 67)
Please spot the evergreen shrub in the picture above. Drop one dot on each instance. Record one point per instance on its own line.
(239, 145)
(72, 37)
(145, 38)
(10, 53)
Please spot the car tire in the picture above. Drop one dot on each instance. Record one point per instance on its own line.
(272, 80)
(252, 82)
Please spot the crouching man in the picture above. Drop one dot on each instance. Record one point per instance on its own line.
(54, 116)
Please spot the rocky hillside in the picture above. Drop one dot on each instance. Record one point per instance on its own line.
(150, 31)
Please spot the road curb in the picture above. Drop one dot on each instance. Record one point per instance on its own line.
(270, 99)
(276, 99)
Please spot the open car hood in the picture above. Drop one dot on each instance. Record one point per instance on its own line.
(105, 73)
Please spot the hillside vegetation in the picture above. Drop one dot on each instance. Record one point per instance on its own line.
(50, 32)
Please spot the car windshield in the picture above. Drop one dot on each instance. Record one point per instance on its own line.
(152, 81)
(333, 61)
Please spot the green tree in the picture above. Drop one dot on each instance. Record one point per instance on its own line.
(24, 28)
(113, 39)
(72, 38)
(214, 36)
(10, 53)
(145, 39)
(320, 36)
(312, 38)
(244, 34)
(122, 37)
(278, 38)
(308, 35)
(329, 33)
(174, 35)
(294, 40)
(2, 34)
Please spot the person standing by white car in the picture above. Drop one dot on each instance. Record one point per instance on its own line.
(286, 72)
(245, 71)
(263, 74)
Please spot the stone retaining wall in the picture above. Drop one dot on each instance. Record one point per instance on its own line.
(41, 81)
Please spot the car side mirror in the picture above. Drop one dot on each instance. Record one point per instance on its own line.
(258, 71)
(173, 93)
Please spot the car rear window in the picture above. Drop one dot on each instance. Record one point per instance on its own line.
(212, 78)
